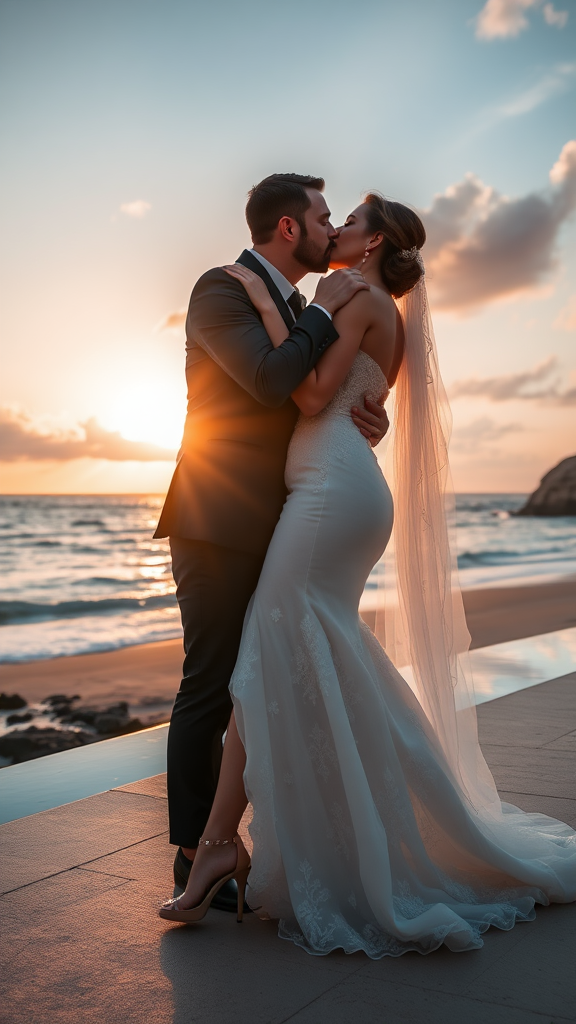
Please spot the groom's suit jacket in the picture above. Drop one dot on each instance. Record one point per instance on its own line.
(228, 487)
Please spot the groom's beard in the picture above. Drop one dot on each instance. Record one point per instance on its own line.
(309, 255)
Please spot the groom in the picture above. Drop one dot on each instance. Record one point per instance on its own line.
(228, 488)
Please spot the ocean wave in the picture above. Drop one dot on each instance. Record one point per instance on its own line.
(83, 573)
(503, 557)
(72, 548)
(14, 612)
(108, 581)
(43, 543)
(18, 535)
(83, 549)
(88, 522)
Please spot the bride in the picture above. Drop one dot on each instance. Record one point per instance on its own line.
(377, 825)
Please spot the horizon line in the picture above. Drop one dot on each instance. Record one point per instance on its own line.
(162, 494)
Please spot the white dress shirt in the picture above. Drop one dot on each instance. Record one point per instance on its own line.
(283, 285)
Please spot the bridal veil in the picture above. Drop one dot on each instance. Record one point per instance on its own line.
(421, 621)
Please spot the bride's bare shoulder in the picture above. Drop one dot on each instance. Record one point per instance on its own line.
(382, 306)
(359, 311)
(369, 309)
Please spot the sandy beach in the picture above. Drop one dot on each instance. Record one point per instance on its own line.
(149, 674)
(499, 614)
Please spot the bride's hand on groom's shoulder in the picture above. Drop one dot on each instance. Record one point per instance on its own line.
(257, 291)
(337, 289)
(372, 421)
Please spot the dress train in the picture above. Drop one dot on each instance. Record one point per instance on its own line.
(364, 838)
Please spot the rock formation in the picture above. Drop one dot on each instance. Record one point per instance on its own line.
(89, 724)
(556, 495)
(27, 744)
(11, 701)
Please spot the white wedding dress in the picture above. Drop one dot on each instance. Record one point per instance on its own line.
(364, 838)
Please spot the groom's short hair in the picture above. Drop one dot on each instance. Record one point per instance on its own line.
(279, 195)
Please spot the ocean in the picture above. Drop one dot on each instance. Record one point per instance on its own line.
(83, 574)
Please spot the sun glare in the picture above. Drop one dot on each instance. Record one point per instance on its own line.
(148, 415)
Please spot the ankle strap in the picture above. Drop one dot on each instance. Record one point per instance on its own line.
(216, 842)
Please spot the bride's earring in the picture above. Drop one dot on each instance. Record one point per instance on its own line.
(366, 255)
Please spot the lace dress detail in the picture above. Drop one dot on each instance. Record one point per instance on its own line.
(365, 377)
(363, 840)
(332, 430)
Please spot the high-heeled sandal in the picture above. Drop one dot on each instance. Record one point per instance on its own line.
(170, 910)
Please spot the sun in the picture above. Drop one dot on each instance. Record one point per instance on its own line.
(146, 413)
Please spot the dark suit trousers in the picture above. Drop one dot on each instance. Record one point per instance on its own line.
(213, 586)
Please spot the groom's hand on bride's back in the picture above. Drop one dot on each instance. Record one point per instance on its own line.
(372, 421)
(335, 291)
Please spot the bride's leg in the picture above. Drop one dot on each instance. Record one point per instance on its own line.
(211, 862)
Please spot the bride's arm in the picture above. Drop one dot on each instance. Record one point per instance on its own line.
(321, 384)
(260, 297)
(351, 321)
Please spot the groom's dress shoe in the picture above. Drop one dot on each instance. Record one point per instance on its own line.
(225, 899)
(182, 866)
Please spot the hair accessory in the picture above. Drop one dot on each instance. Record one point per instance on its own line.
(412, 254)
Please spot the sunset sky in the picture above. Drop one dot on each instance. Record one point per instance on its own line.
(131, 132)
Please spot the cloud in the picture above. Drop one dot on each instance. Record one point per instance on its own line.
(174, 321)
(554, 82)
(554, 17)
(551, 84)
(501, 389)
(483, 246)
(565, 166)
(566, 319)
(21, 439)
(504, 19)
(481, 434)
(138, 208)
(518, 386)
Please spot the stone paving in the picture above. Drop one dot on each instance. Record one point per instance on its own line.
(81, 941)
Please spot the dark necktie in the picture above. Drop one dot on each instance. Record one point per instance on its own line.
(296, 301)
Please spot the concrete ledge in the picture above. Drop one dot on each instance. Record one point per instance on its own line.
(73, 774)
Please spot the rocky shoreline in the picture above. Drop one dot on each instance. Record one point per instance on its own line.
(556, 493)
(68, 725)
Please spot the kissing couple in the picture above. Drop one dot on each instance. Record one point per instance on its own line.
(376, 821)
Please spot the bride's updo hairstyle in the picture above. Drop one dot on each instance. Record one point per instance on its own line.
(404, 235)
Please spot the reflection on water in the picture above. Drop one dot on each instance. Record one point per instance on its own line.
(74, 774)
(505, 668)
